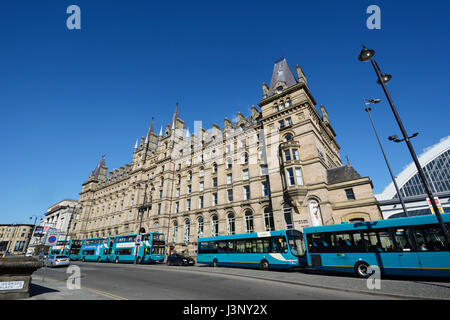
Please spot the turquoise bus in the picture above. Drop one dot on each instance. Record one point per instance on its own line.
(144, 248)
(61, 247)
(413, 246)
(281, 249)
(75, 249)
(96, 249)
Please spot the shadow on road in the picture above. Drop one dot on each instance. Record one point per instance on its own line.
(36, 290)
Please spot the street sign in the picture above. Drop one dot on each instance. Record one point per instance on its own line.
(52, 239)
(438, 203)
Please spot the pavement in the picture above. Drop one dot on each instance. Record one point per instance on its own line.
(43, 287)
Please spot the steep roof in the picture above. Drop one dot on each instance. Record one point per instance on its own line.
(281, 72)
(96, 171)
(342, 174)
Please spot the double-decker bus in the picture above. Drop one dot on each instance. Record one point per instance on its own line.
(61, 247)
(266, 250)
(145, 248)
(75, 249)
(413, 246)
(96, 249)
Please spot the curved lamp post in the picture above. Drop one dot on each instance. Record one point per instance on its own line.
(368, 109)
(367, 55)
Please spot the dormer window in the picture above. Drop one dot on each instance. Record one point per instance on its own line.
(279, 89)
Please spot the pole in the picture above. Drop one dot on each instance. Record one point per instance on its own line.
(414, 156)
(141, 212)
(387, 163)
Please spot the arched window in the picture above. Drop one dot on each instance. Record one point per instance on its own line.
(190, 175)
(248, 221)
(162, 181)
(231, 224)
(268, 219)
(202, 172)
(215, 167)
(200, 227)
(215, 226)
(187, 230)
(178, 179)
(174, 231)
(288, 137)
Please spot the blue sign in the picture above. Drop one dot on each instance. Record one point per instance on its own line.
(52, 239)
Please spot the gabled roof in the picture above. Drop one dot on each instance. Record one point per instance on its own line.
(281, 72)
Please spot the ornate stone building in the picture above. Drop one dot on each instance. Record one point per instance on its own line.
(278, 168)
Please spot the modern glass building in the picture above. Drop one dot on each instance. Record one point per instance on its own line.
(435, 162)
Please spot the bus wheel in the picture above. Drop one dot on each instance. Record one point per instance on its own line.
(264, 265)
(117, 260)
(215, 263)
(361, 269)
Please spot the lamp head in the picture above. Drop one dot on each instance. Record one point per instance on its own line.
(366, 54)
(393, 137)
(385, 77)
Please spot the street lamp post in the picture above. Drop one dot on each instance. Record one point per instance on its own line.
(365, 55)
(142, 209)
(368, 109)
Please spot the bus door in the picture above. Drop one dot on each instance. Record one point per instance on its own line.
(408, 259)
(111, 243)
(431, 250)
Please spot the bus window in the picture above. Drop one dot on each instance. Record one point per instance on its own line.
(250, 246)
(222, 246)
(240, 246)
(278, 244)
(296, 243)
(321, 242)
(344, 242)
(230, 246)
(401, 239)
(359, 242)
(386, 243)
(262, 245)
(430, 239)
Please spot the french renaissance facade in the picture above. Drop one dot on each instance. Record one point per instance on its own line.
(277, 168)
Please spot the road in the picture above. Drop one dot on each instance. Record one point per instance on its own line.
(155, 282)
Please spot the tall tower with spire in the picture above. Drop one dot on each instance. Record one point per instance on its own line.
(305, 155)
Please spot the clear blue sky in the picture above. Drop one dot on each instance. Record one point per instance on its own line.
(64, 93)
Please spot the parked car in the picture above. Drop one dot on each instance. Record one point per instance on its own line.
(56, 261)
(180, 259)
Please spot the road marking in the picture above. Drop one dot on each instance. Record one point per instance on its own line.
(98, 292)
